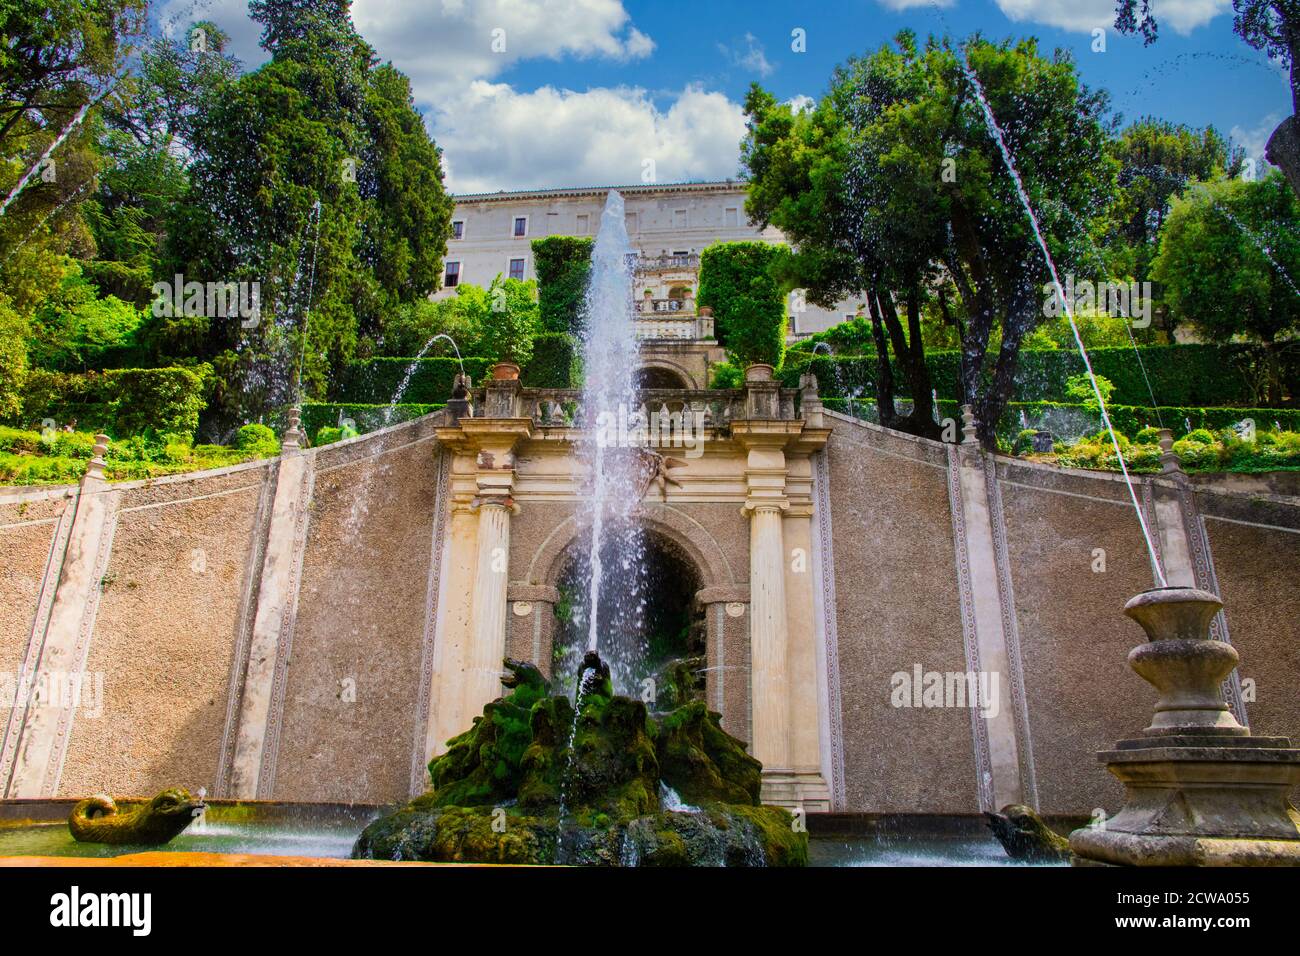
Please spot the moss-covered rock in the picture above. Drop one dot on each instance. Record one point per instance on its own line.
(533, 781)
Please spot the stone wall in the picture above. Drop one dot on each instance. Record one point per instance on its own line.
(270, 630)
(1067, 553)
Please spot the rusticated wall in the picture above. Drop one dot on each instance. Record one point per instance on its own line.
(168, 622)
(896, 607)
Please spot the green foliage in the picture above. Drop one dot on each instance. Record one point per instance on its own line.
(556, 362)
(1079, 388)
(1228, 255)
(13, 359)
(563, 264)
(119, 401)
(726, 375)
(74, 329)
(363, 418)
(1183, 375)
(375, 381)
(258, 441)
(738, 281)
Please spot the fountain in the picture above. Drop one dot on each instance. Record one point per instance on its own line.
(1200, 790)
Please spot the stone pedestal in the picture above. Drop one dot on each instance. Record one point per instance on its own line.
(1199, 790)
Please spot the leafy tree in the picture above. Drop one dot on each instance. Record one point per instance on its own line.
(314, 176)
(506, 318)
(1272, 26)
(76, 330)
(13, 359)
(1158, 161)
(893, 186)
(1229, 260)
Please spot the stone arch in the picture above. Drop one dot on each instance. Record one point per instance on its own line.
(687, 535)
(663, 367)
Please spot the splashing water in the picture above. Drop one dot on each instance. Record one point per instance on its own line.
(996, 132)
(614, 601)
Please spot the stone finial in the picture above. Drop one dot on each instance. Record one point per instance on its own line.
(293, 437)
(1170, 462)
(1183, 662)
(95, 467)
(968, 435)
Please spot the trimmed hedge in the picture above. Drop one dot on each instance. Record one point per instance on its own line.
(562, 264)
(1181, 375)
(556, 362)
(749, 307)
(1127, 419)
(375, 381)
(366, 418)
(119, 401)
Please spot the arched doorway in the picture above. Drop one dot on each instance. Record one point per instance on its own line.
(656, 377)
(665, 625)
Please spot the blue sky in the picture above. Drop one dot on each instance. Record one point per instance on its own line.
(534, 93)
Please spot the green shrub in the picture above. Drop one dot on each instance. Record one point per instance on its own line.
(365, 418)
(258, 440)
(562, 264)
(119, 401)
(327, 435)
(749, 307)
(556, 362)
(1201, 436)
(1148, 436)
(726, 375)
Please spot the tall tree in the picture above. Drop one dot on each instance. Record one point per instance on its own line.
(313, 175)
(1229, 262)
(894, 186)
(1158, 160)
(1272, 26)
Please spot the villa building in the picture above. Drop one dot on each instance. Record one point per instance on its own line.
(669, 226)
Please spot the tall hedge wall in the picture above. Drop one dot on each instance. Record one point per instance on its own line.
(563, 264)
(1181, 375)
(376, 381)
(119, 402)
(749, 309)
(556, 362)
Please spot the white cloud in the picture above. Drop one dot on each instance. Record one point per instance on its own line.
(753, 57)
(1254, 139)
(1181, 16)
(801, 103)
(495, 137)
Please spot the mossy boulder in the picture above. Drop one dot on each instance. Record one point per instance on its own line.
(534, 781)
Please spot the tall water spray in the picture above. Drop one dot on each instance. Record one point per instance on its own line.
(613, 607)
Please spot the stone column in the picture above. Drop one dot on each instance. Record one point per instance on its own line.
(488, 644)
(768, 637)
(447, 717)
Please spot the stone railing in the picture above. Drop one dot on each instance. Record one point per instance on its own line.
(666, 306)
(668, 263)
(678, 327)
(562, 407)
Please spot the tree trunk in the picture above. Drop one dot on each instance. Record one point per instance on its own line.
(884, 372)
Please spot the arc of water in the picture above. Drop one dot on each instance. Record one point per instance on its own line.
(996, 132)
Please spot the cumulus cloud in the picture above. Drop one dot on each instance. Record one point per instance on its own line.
(496, 137)
(1253, 139)
(1181, 16)
(801, 103)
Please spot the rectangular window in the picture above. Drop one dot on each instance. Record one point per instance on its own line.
(521, 226)
(679, 218)
(629, 219)
(458, 228)
(583, 225)
(452, 278)
(517, 269)
(730, 217)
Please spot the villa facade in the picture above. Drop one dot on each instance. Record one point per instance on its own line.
(669, 226)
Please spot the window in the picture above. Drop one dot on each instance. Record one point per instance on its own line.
(458, 228)
(521, 226)
(517, 269)
(679, 218)
(583, 226)
(629, 220)
(452, 277)
(730, 217)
